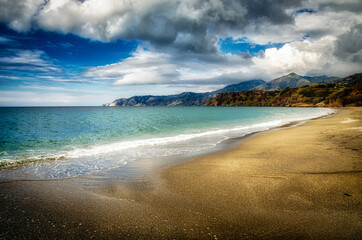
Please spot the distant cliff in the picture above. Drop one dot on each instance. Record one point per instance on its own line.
(342, 92)
(183, 99)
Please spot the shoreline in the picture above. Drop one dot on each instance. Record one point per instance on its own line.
(164, 161)
(247, 192)
(161, 162)
(168, 161)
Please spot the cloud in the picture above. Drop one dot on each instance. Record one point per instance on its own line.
(307, 24)
(348, 46)
(5, 40)
(191, 25)
(144, 67)
(27, 98)
(179, 40)
(19, 14)
(307, 57)
(294, 57)
(34, 65)
(188, 25)
(27, 60)
(182, 38)
(338, 6)
(155, 67)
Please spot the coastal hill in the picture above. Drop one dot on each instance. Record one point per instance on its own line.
(337, 93)
(199, 99)
(293, 80)
(183, 99)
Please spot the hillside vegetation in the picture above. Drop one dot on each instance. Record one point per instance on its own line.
(338, 93)
(199, 99)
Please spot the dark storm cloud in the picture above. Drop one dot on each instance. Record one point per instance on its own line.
(272, 11)
(344, 6)
(193, 25)
(348, 46)
(18, 14)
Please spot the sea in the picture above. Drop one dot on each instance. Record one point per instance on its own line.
(66, 142)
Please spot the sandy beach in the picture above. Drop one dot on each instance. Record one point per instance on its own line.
(300, 182)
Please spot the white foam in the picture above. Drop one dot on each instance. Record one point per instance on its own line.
(100, 157)
(123, 145)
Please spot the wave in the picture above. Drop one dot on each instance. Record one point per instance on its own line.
(123, 145)
(85, 160)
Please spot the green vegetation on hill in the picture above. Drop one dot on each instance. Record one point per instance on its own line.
(341, 92)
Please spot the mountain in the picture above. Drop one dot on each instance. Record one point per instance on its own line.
(197, 99)
(352, 79)
(339, 93)
(183, 99)
(293, 80)
(242, 85)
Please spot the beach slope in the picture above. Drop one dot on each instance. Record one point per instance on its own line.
(300, 182)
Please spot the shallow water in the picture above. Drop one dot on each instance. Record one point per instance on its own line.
(61, 142)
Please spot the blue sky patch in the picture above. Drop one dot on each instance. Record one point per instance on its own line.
(242, 45)
(68, 48)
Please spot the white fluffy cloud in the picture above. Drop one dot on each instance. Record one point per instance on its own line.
(153, 67)
(300, 57)
(307, 57)
(144, 67)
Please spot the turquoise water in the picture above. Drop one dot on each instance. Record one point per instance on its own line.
(70, 141)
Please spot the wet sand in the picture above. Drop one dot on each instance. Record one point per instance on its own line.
(302, 182)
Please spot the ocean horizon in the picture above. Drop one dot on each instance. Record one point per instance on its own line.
(63, 142)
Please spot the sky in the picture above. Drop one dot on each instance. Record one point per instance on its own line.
(91, 52)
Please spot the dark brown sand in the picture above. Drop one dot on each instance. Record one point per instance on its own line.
(293, 183)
